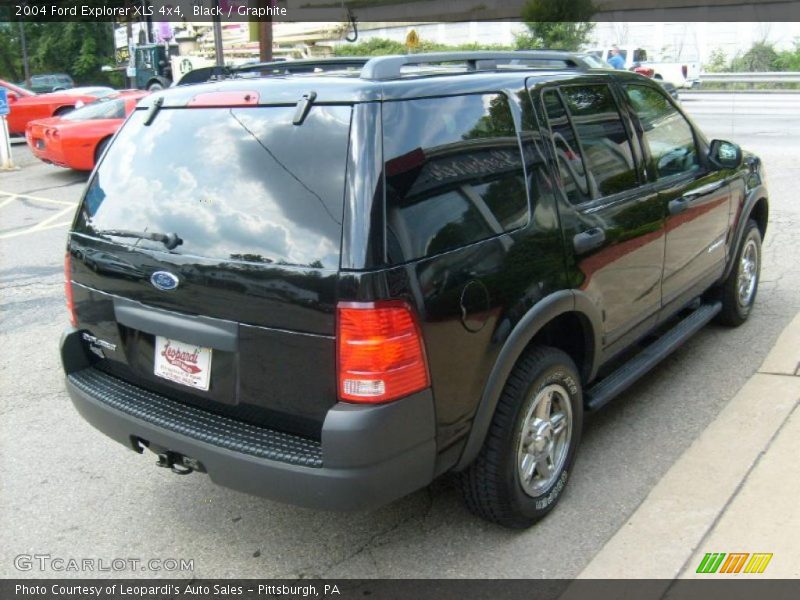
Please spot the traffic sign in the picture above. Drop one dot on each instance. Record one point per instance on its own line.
(4, 107)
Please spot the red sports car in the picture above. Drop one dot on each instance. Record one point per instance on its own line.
(77, 140)
(27, 106)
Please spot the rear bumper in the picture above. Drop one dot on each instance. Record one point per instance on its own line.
(367, 456)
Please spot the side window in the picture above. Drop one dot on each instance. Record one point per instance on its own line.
(606, 146)
(453, 172)
(666, 132)
(568, 154)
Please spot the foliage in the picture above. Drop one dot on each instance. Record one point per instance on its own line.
(77, 48)
(382, 46)
(556, 24)
(760, 57)
(717, 62)
(371, 47)
(789, 60)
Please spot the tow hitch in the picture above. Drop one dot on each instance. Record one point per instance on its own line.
(174, 462)
(168, 459)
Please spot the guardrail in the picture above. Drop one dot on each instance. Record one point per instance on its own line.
(759, 77)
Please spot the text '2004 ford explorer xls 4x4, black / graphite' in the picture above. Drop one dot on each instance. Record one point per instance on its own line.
(329, 289)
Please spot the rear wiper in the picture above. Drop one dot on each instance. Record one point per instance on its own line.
(170, 240)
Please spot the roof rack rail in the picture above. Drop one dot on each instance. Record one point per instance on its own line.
(383, 68)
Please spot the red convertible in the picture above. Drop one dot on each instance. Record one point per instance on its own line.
(27, 106)
(77, 140)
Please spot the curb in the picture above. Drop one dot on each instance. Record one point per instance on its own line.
(666, 530)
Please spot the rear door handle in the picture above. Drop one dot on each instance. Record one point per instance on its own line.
(589, 240)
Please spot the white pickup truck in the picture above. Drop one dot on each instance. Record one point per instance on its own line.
(682, 74)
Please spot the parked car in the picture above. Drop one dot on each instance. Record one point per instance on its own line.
(77, 139)
(27, 106)
(680, 73)
(50, 83)
(342, 286)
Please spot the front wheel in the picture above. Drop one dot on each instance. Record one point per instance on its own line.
(155, 87)
(523, 467)
(739, 289)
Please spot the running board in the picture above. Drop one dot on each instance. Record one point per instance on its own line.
(606, 389)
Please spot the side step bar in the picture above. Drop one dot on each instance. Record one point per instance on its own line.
(606, 389)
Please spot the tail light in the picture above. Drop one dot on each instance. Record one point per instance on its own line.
(73, 318)
(685, 71)
(380, 352)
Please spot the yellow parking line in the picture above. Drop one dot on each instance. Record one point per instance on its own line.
(51, 218)
(40, 198)
(43, 225)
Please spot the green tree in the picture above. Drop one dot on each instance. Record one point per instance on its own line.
(556, 24)
(789, 60)
(760, 57)
(717, 62)
(78, 48)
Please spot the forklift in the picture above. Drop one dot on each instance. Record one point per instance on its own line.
(153, 67)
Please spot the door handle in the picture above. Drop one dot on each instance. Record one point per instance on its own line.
(589, 240)
(679, 205)
(704, 189)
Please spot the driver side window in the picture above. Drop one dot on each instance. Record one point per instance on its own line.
(666, 132)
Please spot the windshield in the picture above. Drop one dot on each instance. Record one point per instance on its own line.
(242, 184)
(102, 109)
(96, 92)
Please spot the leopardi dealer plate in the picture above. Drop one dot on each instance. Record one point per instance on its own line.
(183, 363)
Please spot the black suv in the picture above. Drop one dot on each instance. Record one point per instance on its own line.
(330, 289)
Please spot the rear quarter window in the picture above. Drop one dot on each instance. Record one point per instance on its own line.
(454, 173)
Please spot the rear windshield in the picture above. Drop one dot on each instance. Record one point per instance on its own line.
(102, 109)
(242, 184)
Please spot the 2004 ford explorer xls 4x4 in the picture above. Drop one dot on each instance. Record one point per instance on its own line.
(329, 289)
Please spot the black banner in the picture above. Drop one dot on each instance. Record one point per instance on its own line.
(390, 10)
(733, 588)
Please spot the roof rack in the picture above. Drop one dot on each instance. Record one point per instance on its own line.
(383, 68)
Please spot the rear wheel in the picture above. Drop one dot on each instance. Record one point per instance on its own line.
(525, 462)
(101, 147)
(155, 86)
(63, 111)
(740, 288)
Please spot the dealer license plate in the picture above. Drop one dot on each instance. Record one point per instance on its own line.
(183, 363)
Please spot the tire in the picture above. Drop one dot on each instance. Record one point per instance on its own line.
(63, 111)
(740, 287)
(494, 486)
(155, 87)
(101, 147)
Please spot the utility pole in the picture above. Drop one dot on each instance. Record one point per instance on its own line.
(131, 47)
(25, 64)
(265, 33)
(220, 58)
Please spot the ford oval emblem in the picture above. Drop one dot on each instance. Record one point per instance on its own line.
(164, 281)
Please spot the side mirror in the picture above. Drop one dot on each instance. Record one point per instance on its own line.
(724, 155)
(12, 97)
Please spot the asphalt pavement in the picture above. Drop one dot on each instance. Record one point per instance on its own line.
(69, 492)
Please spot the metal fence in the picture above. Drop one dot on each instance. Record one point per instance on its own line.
(760, 77)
